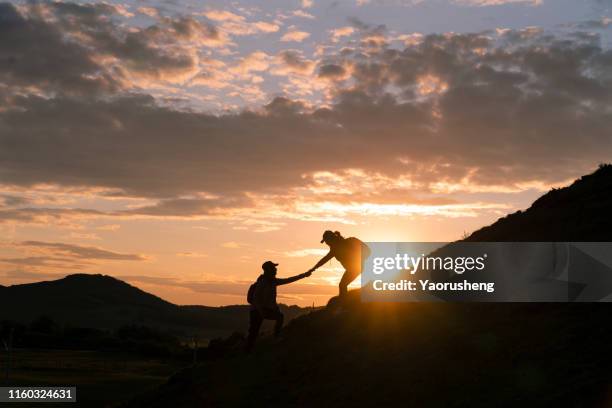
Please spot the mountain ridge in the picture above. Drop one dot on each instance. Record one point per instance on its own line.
(105, 302)
(580, 212)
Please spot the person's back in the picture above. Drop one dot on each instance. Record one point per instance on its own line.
(349, 252)
(265, 293)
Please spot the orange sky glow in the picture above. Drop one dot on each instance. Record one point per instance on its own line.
(179, 145)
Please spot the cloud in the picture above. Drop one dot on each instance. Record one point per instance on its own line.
(460, 109)
(223, 15)
(332, 71)
(80, 251)
(295, 35)
(81, 236)
(303, 14)
(188, 207)
(40, 215)
(483, 3)
(231, 245)
(236, 24)
(307, 3)
(266, 27)
(371, 36)
(45, 262)
(13, 201)
(293, 61)
(254, 62)
(410, 39)
(213, 74)
(338, 33)
(23, 274)
(109, 227)
(26, 63)
(192, 255)
(149, 11)
(85, 52)
(298, 253)
(56, 255)
(469, 3)
(602, 23)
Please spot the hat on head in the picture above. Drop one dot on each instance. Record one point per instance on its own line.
(327, 235)
(268, 265)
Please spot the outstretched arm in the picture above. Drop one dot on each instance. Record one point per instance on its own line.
(284, 281)
(323, 261)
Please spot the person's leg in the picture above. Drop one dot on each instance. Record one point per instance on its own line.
(278, 317)
(349, 276)
(255, 320)
(343, 286)
(279, 323)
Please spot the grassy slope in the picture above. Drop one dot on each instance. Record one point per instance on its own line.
(428, 355)
(101, 378)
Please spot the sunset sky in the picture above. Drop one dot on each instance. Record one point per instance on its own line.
(179, 144)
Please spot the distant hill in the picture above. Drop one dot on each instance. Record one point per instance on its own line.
(104, 302)
(432, 354)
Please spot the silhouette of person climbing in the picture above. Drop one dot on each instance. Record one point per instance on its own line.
(349, 252)
(262, 297)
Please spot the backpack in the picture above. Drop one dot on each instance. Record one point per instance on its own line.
(251, 293)
(262, 293)
(356, 243)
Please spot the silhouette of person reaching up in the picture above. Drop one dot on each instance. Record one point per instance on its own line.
(262, 297)
(349, 252)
